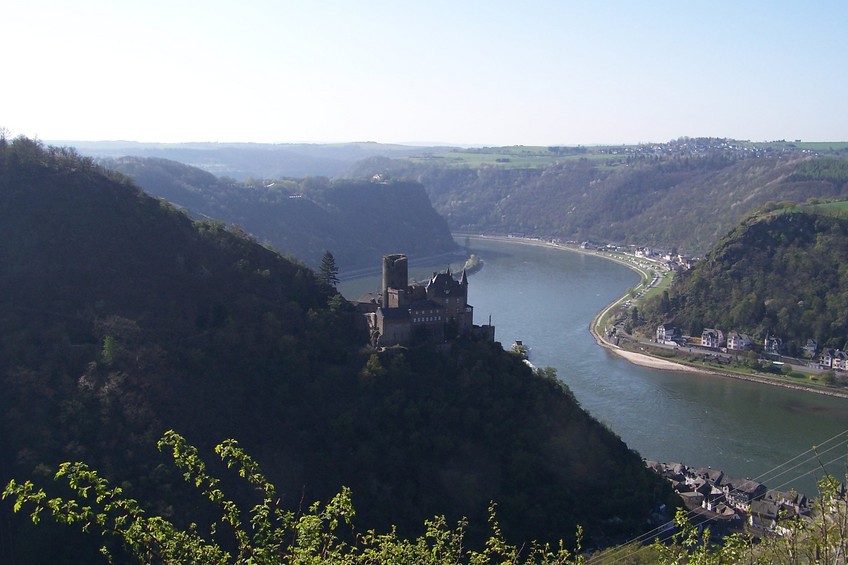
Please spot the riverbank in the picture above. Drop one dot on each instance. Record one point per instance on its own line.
(644, 359)
(456, 256)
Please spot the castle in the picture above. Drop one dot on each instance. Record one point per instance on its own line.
(406, 313)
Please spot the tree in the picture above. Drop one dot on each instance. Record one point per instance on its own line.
(329, 273)
(263, 533)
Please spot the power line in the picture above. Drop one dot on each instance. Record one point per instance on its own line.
(667, 526)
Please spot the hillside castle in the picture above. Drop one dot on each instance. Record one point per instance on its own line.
(436, 311)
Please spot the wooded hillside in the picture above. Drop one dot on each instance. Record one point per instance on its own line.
(358, 221)
(122, 318)
(779, 272)
(671, 202)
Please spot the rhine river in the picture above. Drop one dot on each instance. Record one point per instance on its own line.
(547, 297)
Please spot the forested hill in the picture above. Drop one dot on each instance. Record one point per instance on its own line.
(358, 221)
(669, 201)
(780, 272)
(121, 318)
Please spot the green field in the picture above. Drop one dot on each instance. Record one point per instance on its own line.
(837, 208)
(534, 156)
(818, 146)
(514, 157)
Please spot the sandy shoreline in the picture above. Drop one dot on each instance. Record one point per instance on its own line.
(650, 361)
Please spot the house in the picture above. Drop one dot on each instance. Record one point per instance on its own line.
(738, 341)
(794, 500)
(666, 333)
(712, 476)
(826, 359)
(772, 345)
(712, 338)
(834, 359)
(764, 514)
(741, 492)
(840, 361)
(811, 348)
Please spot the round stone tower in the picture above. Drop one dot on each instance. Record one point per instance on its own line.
(395, 274)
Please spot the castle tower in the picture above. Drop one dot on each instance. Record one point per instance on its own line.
(395, 275)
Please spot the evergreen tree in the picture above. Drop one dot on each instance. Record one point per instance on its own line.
(329, 273)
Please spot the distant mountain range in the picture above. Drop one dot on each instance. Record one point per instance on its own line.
(241, 161)
(684, 194)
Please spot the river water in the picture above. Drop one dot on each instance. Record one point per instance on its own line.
(547, 297)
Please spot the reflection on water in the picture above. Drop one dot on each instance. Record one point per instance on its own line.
(547, 298)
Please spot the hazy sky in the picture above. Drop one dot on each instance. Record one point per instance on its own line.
(461, 72)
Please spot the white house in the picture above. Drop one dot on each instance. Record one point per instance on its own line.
(665, 333)
(711, 337)
(738, 341)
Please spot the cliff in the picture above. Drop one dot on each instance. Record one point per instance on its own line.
(358, 221)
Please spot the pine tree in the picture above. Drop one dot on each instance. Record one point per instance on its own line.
(329, 273)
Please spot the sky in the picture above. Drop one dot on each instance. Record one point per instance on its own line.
(457, 72)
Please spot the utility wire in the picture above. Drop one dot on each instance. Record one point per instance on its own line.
(812, 454)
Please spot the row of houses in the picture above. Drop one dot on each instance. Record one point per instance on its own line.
(835, 359)
(672, 261)
(715, 339)
(730, 503)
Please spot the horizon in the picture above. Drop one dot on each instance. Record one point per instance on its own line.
(474, 75)
(415, 144)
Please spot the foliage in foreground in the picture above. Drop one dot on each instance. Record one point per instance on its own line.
(266, 533)
(821, 540)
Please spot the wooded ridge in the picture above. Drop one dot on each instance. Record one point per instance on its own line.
(779, 272)
(676, 201)
(358, 221)
(123, 318)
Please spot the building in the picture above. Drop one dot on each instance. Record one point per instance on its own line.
(667, 334)
(738, 341)
(712, 338)
(435, 311)
(772, 345)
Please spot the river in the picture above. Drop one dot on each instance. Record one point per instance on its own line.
(547, 297)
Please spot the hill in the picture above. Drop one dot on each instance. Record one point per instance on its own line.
(668, 198)
(243, 160)
(684, 194)
(122, 318)
(358, 221)
(779, 272)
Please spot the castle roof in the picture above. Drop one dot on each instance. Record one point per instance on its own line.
(444, 284)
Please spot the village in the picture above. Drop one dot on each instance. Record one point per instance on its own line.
(722, 348)
(717, 345)
(727, 505)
